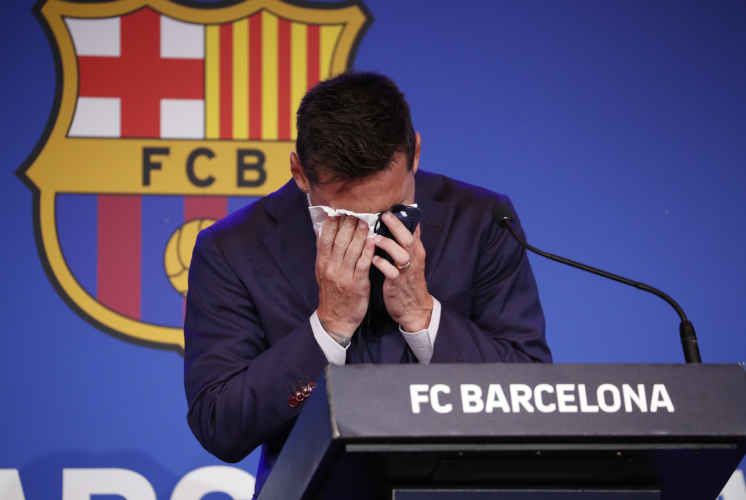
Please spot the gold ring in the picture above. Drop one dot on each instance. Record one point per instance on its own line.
(405, 266)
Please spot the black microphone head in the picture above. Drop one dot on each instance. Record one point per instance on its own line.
(503, 213)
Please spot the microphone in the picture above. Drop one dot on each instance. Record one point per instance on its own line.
(686, 329)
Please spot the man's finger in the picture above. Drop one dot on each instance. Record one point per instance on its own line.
(344, 235)
(328, 233)
(352, 254)
(398, 229)
(366, 257)
(388, 269)
(400, 255)
(418, 249)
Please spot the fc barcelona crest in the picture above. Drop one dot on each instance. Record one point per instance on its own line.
(167, 117)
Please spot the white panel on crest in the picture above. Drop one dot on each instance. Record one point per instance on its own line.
(183, 118)
(182, 40)
(95, 37)
(97, 117)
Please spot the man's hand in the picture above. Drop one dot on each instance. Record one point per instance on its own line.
(404, 289)
(343, 258)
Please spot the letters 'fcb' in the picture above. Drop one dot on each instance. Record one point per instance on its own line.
(167, 117)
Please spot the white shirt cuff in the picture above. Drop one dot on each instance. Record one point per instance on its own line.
(422, 342)
(335, 353)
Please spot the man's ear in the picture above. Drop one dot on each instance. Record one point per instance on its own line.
(416, 159)
(298, 175)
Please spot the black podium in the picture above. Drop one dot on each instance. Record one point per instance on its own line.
(518, 431)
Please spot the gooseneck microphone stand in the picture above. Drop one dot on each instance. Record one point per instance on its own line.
(686, 328)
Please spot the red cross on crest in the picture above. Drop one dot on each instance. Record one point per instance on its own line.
(140, 77)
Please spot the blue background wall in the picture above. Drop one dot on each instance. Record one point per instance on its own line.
(617, 128)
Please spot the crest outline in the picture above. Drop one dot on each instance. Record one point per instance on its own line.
(50, 14)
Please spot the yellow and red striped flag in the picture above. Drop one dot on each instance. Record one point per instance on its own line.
(257, 70)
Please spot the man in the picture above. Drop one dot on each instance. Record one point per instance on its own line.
(271, 303)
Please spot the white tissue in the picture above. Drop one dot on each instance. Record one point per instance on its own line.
(319, 213)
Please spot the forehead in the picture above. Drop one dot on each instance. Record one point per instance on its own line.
(375, 193)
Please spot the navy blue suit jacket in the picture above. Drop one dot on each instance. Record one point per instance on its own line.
(249, 344)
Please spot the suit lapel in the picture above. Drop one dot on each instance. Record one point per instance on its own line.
(436, 219)
(292, 243)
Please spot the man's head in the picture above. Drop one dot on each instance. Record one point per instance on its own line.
(356, 147)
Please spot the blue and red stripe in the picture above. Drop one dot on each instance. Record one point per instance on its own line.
(114, 246)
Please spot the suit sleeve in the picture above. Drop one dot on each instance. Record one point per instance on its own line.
(505, 321)
(237, 385)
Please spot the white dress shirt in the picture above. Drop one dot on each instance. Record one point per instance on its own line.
(421, 342)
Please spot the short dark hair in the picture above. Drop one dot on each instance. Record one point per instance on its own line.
(350, 126)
